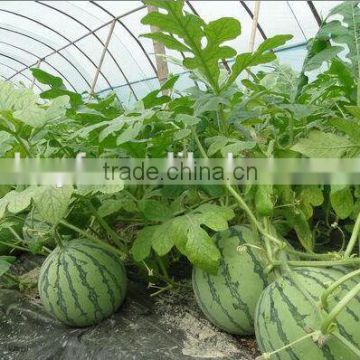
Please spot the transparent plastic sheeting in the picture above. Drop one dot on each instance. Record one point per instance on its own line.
(68, 37)
(179, 171)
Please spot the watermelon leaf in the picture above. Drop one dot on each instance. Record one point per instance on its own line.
(5, 263)
(53, 203)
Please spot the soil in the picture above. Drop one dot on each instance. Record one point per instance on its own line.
(168, 326)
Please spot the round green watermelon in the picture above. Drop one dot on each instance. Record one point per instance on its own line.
(284, 314)
(228, 299)
(82, 283)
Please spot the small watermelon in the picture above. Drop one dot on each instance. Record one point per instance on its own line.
(284, 314)
(228, 299)
(82, 283)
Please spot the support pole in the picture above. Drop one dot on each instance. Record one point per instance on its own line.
(254, 26)
(106, 45)
(159, 49)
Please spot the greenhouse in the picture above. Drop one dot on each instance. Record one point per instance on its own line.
(180, 180)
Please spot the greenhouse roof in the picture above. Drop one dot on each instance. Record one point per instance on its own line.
(68, 38)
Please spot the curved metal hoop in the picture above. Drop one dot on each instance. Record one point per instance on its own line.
(43, 58)
(11, 68)
(59, 34)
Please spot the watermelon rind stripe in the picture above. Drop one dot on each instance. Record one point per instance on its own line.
(72, 289)
(204, 309)
(92, 293)
(101, 269)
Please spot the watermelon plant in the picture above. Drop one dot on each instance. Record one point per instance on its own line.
(293, 237)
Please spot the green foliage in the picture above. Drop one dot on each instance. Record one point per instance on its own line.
(273, 112)
(5, 264)
(193, 33)
(320, 144)
(187, 234)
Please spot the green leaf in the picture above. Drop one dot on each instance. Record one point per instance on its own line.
(260, 56)
(47, 79)
(114, 126)
(53, 203)
(36, 116)
(178, 232)
(303, 231)
(109, 207)
(347, 31)
(35, 230)
(264, 200)
(191, 33)
(169, 41)
(170, 82)
(214, 217)
(187, 120)
(142, 245)
(354, 110)
(5, 263)
(75, 98)
(154, 210)
(162, 242)
(201, 250)
(13, 99)
(238, 147)
(324, 56)
(217, 144)
(85, 190)
(129, 134)
(182, 134)
(342, 200)
(18, 201)
(324, 145)
(311, 196)
(86, 130)
(273, 43)
(348, 127)
(187, 234)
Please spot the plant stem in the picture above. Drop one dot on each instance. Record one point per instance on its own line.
(320, 263)
(334, 285)
(198, 143)
(163, 268)
(268, 355)
(251, 216)
(21, 143)
(168, 287)
(312, 255)
(353, 238)
(348, 344)
(329, 319)
(91, 237)
(114, 236)
(14, 246)
(238, 198)
(58, 239)
(16, 235)
(266, 240)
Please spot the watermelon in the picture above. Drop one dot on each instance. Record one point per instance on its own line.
(228, 299)
(82, 283)
(284, 314)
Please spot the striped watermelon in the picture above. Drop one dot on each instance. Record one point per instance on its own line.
(283, 315)
(228, 299)
(82, 283)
